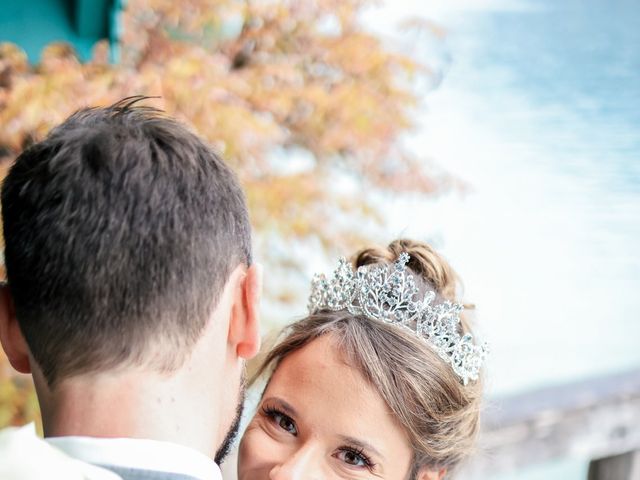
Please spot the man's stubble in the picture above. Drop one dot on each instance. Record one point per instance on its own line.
(232, 433)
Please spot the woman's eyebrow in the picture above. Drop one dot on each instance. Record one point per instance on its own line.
(361, 444)
(283, 405)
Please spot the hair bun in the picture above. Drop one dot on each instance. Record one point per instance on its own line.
(424, 261)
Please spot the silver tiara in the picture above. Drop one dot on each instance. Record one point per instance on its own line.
(389, 294)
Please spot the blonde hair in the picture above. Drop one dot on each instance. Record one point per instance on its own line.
(438, 413)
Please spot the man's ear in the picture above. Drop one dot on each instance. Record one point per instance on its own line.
(244, 328)
(11, 337)
(425, 474)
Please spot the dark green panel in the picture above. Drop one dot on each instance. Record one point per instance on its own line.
(92, 18)
(32, 24)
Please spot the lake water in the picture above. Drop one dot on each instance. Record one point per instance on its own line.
(539, 113)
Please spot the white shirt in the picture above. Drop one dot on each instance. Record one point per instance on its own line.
(25, 456)
(139, 453)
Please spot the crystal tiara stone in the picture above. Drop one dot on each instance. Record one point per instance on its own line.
(388, 293)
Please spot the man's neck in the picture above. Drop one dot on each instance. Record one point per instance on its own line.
(131, 405)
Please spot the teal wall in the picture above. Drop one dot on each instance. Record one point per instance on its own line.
(32, 24)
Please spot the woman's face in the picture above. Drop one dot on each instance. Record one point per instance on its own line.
(320, 419)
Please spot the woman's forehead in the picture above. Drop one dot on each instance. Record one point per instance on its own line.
(329, 394)
(318, 364)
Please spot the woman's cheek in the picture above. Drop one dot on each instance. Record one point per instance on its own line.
(258, 453)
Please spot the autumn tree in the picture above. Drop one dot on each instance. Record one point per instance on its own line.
(294, 94)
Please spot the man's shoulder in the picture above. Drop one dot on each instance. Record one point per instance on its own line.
(140, 459)
(25, 456)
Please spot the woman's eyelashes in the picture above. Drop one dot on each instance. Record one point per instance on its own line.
(280, 419)
(355, 457)
(349, 455)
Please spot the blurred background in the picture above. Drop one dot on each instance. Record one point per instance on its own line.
(505, 132)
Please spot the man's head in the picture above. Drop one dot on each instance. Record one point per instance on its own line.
(122, 232)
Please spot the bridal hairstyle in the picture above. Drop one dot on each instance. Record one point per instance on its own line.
(438, 412)
(121, 230)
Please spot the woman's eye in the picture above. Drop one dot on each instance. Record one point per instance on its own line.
(353, 458)
(283, 421)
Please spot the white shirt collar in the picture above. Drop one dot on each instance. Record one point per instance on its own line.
(139, 453)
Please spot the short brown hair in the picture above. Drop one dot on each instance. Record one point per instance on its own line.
(121, 230)
(439, 413)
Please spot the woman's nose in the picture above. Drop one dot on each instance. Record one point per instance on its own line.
(305, 463)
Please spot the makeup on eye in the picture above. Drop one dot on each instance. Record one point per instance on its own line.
(355, 456)
(352, 453)
(281, 419)
(362, 447)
